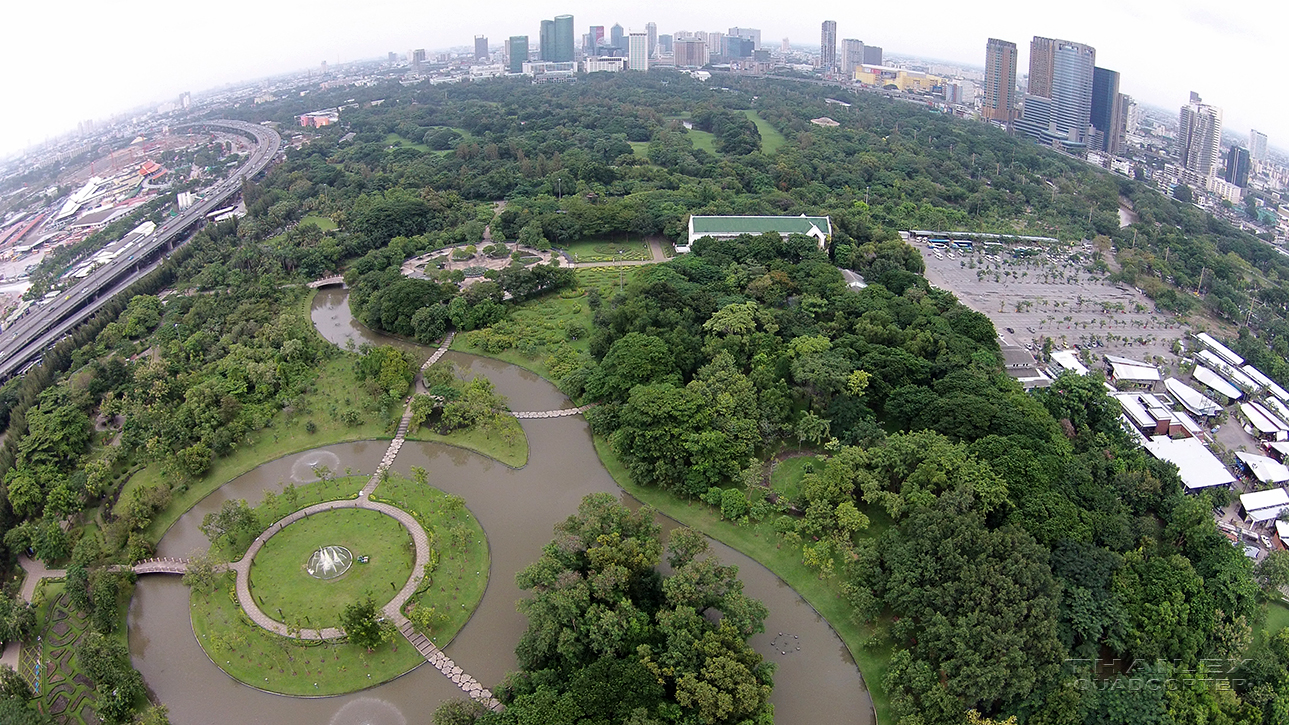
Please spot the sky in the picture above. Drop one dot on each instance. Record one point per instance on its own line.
(65, 62)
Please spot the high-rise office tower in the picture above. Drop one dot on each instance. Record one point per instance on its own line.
(1257, 145)
(852, 56)
(1237, 166)
(664, 43)
(416, 58)
(546, 40)
(651, 30)
(1107, 110)
(1042, 53)
(872, 55)
(690, 52)
(393, 57)
(480, 47)
(638, 51)
(828, 45)
(1072, 73)
(1000, 81)
(750, 33)
(1199, 136)
(564, 38)
(516, 53)
(597, 35)
(616, 37)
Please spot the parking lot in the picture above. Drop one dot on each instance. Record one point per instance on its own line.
(1054, 296)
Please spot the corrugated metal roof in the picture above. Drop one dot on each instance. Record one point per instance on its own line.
(1193, 400)
(1217, 382)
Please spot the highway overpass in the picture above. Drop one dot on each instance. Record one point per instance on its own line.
(46, 324)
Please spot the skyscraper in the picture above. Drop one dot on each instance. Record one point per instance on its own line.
(651, 30)
(638, 51)
(664, 43)
(564, 39)
(480, 47)
(1237, 166)
(1257, 145)
(828, 45)
(1199, 137)
(1107, 110)
(597, 36)
(516, 53)
(1000, 81)
(690, 52)
(872, 55)
(1072, 73)
(546, 40)
(750, 33)
(852, 56)
(1041, 56)
(616, 38)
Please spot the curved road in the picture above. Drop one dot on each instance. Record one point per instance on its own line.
(28, 337)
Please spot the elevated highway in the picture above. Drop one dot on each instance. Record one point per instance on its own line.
(25, 340)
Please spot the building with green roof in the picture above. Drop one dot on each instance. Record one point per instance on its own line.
(728, 227)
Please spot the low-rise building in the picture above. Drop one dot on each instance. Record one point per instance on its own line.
(728, 227)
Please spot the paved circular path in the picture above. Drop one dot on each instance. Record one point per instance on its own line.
(392, 610)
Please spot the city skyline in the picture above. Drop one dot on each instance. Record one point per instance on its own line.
(59, 91)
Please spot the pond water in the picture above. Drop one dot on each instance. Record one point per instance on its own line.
(517, 508)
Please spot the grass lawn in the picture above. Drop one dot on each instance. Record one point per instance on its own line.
(333, 393)
(771, 139)
(324, 223)
(640, 148)
(704, 140)
(394, 139)
(292, 667)
(296, 497)
(609, 250)
(507, 443)
(760, 542)
(536, 328)
(457, 585)
(287, 666)
(1276, 617)
(787, 474)
(286, 591)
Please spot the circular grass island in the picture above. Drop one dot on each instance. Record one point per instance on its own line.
(279, 578)
(287, 592)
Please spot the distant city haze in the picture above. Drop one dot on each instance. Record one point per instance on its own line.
(66, 62)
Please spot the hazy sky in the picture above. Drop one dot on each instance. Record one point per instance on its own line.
(64, 62)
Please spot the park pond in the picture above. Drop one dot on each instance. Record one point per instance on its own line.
(816, 680)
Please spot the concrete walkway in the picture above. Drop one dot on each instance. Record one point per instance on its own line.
(36, 570)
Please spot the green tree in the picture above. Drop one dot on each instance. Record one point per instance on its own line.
(364, 624)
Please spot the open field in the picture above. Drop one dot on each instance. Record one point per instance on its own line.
(324, 223)
(283, 587)
(394, 139)
(609, 250)
(537, 328)
(771, 139)
(640, 148)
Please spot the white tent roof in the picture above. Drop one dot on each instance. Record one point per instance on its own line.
(1069, 360)
(1217, 383)
(1267, 382)
(1265, 505)
(1136, 373)
(1230, 371)
(1262, 419)
(1193, 400)
(1267, 470)
(1221, 350)
(1197, 467)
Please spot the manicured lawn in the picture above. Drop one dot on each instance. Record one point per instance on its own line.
(456, 587)
(771, 139)
(537, 328)
(506, 443)
(285, 590)
(334, 392)
(296, 497)
(640, 148)
(324, 223)
(394, 139)
(787, 474)
(1277, 617)
(760, 542)
(703, 140)
(609, 250)
(291, 667)
(265, 660)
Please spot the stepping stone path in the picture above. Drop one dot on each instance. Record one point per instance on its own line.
(444, 664)
(561, 413)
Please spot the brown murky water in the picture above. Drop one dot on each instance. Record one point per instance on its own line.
(517, 508)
